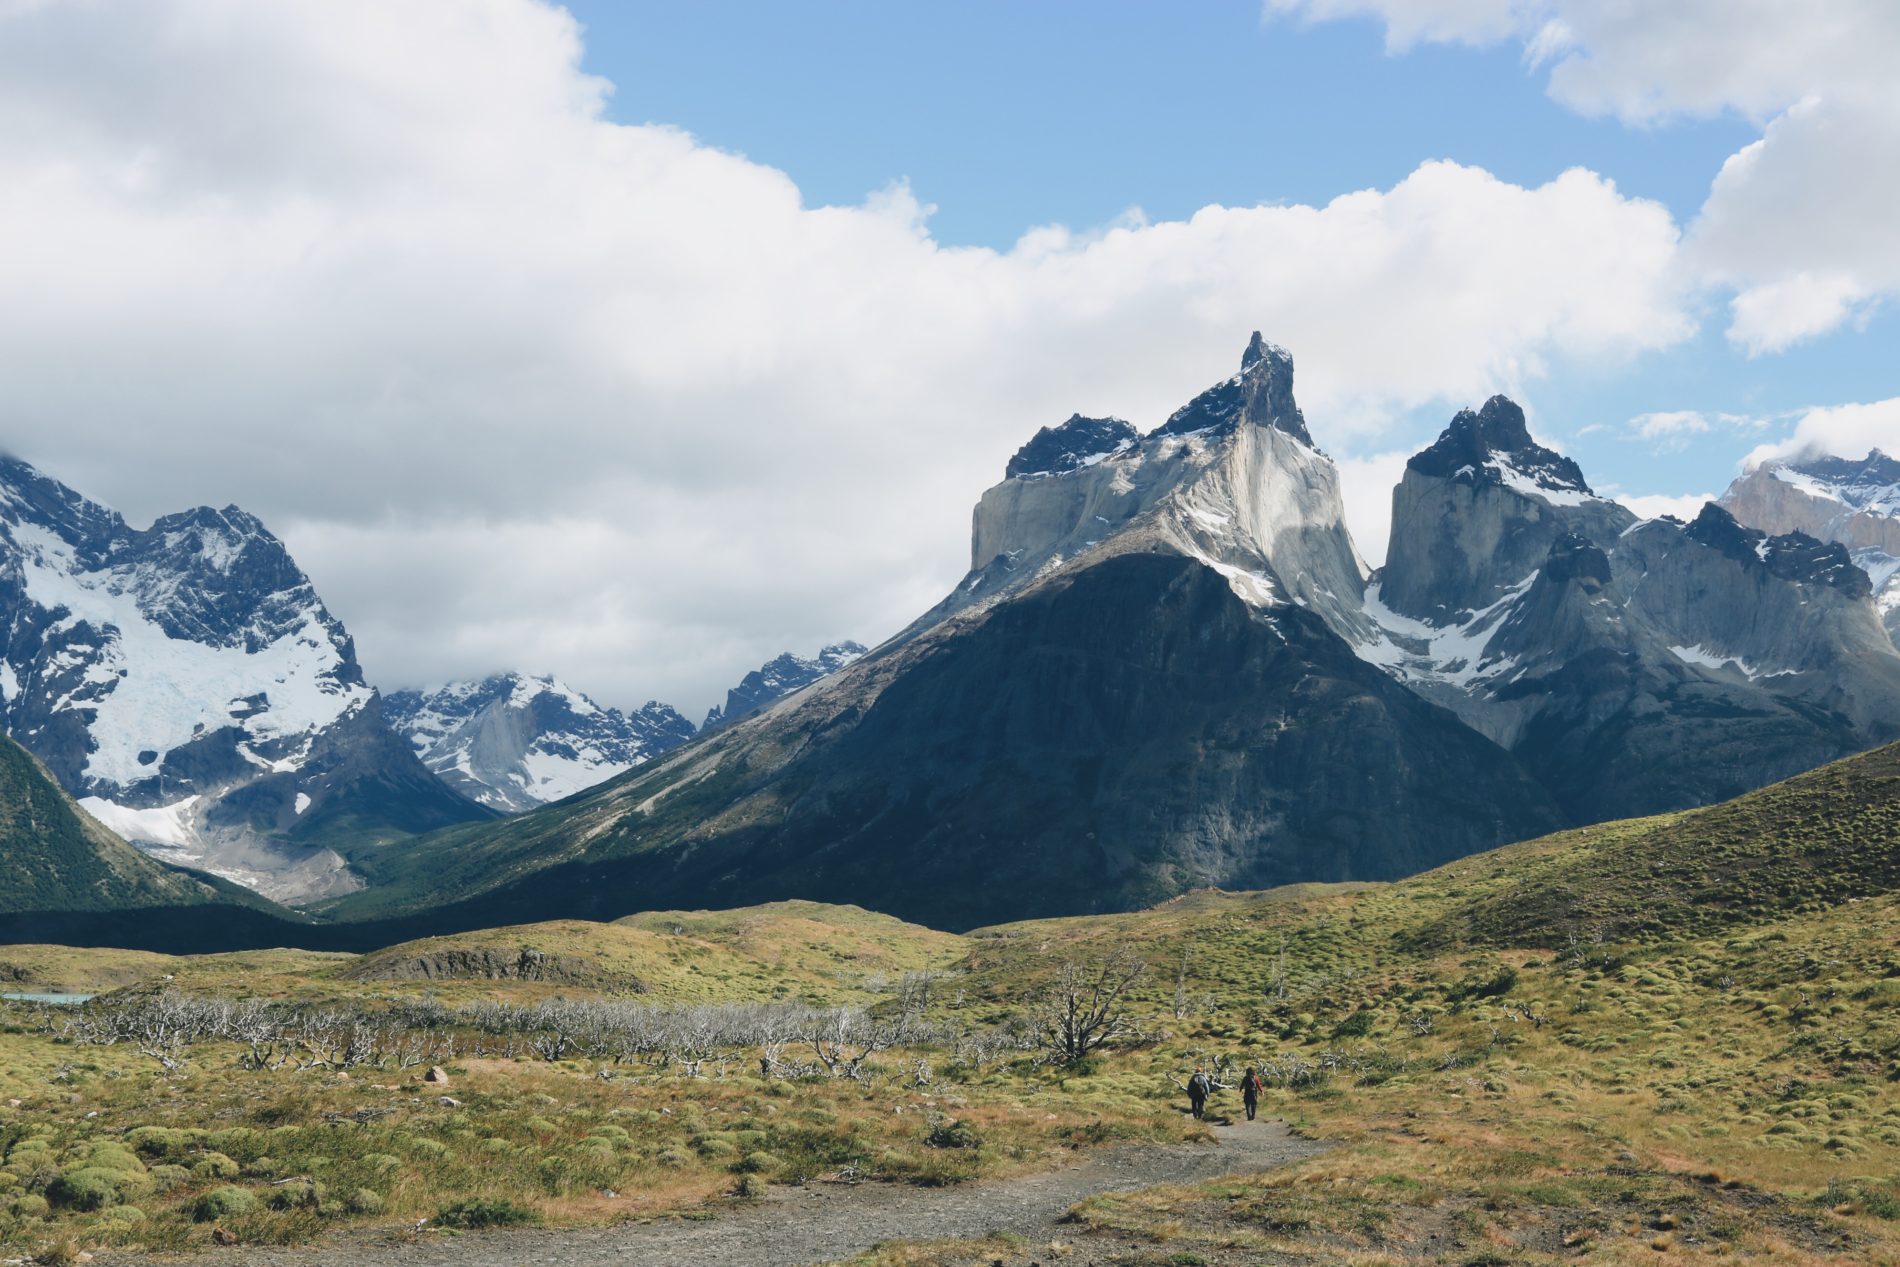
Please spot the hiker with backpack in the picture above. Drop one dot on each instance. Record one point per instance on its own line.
(1199, 1087)
(1250, 1092)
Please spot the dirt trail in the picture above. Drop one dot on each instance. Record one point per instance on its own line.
(818, 1223)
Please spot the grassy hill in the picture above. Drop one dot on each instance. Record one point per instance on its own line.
(60, 860)
(1647, 1042)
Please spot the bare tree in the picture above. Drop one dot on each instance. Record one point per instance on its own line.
(1085, 1008)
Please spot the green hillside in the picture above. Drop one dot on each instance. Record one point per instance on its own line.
(68, 879)
(1656, 1041)
(59, 859)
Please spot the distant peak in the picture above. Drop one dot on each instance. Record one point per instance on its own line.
(1261, 394)
(1853, 480)
(1493, 445)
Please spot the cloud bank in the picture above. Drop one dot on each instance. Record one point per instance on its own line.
(524, 387)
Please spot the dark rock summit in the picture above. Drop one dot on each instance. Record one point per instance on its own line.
(1069, 445)
(1261, 394)
(1793, 556)
(1492, 444)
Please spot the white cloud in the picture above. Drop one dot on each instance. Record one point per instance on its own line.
(1798, 224)
(1667, 423)
(1669, 430)
(526, 388)
(1843, 430)
(1656, 505)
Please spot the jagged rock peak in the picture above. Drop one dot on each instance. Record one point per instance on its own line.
(1261, 394)
(1078, 442)
(1794, 556)
(1493, 445)
(780, 677)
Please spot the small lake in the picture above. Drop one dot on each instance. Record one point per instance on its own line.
(60, 1000)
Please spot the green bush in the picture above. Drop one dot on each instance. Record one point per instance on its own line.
(757, 1163)
(238, 1141)
(214, 1166)
(952, 1134)
(113, 1157)
(751, 1186)
(95, 1187)
(1358, 1025)
(125, 1214)
(364, 1201)
(160, 1141)
(29, 1206)
(486, 1213)
(296, 1196)
(165, 1178)
(223, 1203)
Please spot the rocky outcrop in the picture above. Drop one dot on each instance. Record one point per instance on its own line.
(512, 742)
(479, 963)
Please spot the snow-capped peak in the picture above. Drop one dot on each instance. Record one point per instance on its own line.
(187, 683)
(515, 740)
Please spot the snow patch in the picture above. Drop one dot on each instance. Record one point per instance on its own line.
(160, 825)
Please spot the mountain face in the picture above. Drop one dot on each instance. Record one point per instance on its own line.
(779, 677)
(1149, 680)
(188, 683)
(513, 742)
(1853, 502)
(1631, 666)
(1168, 667)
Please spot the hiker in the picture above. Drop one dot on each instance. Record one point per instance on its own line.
(1250, 1092)
(1197, 1088)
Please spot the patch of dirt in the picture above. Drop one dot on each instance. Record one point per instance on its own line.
(816, 1223)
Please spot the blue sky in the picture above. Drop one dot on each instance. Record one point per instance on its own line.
(1005, 116)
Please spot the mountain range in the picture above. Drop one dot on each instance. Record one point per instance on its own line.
(512, 741)
(1168, 666)
(188, 684)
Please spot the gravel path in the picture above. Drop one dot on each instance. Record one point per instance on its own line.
(817, 1223)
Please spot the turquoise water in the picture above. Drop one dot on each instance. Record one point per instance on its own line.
(63, 1000)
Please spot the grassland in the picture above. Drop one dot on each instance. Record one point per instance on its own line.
(1652, 1042)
